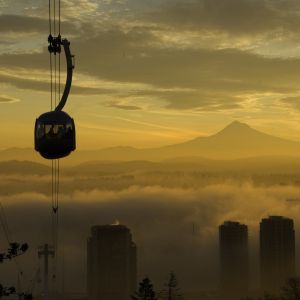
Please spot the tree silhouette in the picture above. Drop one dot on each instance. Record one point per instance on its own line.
(291, 290)
(265, 297)
(13, 251)
(171, 291)
(4, 291)
(145, 291)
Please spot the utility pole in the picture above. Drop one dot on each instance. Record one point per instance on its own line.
(46, 251)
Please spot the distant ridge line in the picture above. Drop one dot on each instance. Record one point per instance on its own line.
(235, 141)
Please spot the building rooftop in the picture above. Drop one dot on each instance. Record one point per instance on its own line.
(232, 224)
(108, 227)
(276, 218)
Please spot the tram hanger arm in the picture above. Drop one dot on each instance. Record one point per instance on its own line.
(66, 44)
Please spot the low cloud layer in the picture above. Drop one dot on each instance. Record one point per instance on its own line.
(161, 221)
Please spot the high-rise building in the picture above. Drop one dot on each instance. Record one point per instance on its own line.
(277, 252)
(233, 239)
(111, 263)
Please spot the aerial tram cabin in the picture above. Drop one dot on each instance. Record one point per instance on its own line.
(54, 136)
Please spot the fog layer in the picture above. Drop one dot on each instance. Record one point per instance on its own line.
(161, 220)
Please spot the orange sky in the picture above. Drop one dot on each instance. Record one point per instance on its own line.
(154, 73)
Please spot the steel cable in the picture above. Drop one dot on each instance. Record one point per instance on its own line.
(55, 74)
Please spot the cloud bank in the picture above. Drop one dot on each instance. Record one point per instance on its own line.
(161, 220)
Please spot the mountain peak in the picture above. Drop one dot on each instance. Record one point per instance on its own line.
(236, 127)
(237, 124)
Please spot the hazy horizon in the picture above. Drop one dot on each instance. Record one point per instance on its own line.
(232, 123)
(154, 76)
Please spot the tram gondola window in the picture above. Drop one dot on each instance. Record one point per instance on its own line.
(40, 131)
(52, 131)
(69, 127)
(69, 130)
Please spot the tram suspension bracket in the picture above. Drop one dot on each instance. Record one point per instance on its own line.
(73, 61)
(55, 43)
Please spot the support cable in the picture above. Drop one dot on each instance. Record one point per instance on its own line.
(54, 17)
(34, 280)
(50, 27)
(59, 17)
(55, 73)
(59, 83)
(57, 161)
(4, 225)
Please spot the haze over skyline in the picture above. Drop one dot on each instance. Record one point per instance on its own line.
(155, 73)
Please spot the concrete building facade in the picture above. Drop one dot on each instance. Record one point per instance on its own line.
(233, 241)
(277, 252)
(111, 263)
